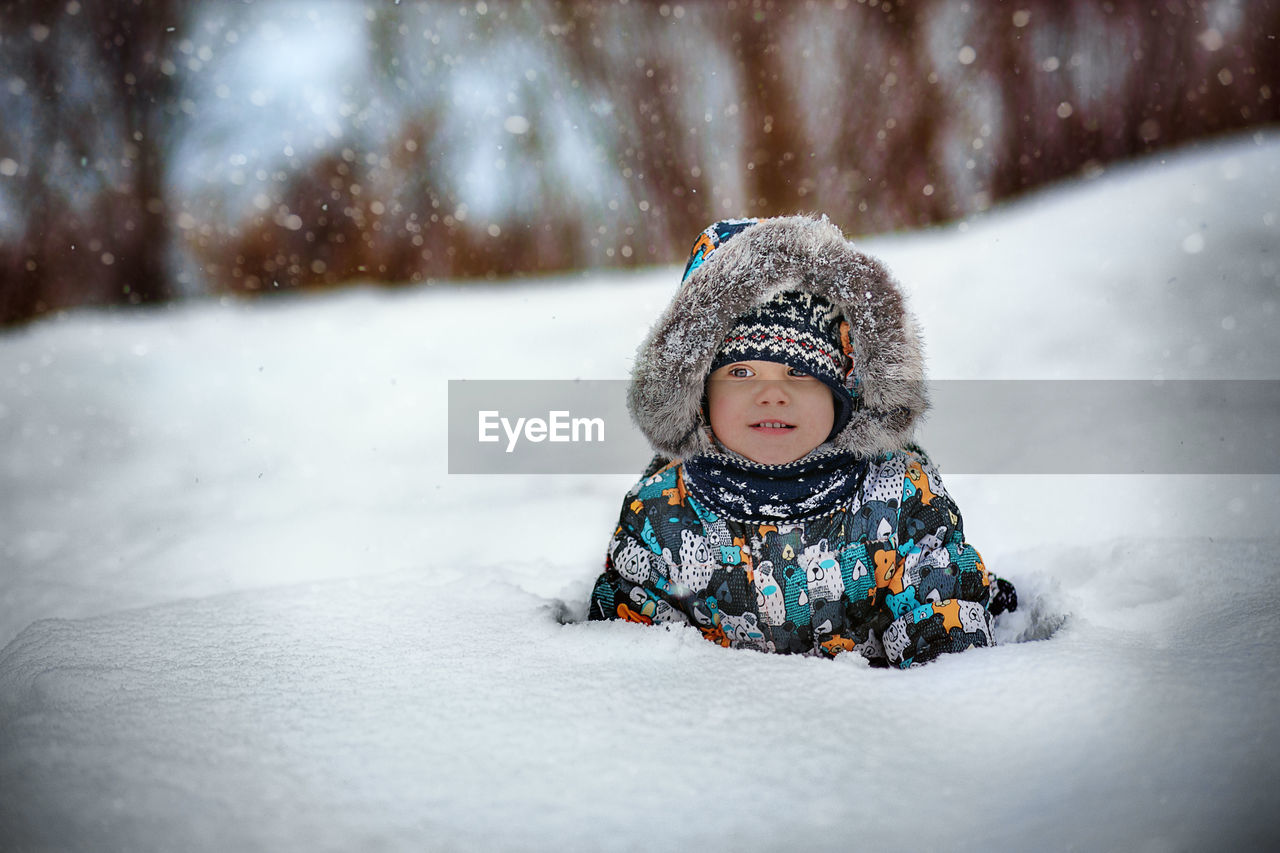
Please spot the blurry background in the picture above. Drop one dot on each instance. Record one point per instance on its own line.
(153, 149)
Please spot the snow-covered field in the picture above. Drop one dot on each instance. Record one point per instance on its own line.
(246, 607)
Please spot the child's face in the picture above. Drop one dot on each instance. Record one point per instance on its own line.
(769, 412)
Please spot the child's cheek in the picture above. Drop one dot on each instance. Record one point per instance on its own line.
(722, 401)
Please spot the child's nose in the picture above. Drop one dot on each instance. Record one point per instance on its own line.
(772, 393)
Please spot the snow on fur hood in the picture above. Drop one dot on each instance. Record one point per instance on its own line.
(758, 262)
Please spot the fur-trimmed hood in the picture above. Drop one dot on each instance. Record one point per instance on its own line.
(757, 262)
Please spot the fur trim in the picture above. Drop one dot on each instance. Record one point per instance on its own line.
(786, 253)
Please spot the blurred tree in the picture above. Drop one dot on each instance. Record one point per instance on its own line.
(280, 144)
(91, 88)
(1084, 84)
(774, 141)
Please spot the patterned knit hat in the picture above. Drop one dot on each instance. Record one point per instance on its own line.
(712, 237)
(799, 330)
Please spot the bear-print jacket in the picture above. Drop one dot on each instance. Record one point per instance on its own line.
(887, 574)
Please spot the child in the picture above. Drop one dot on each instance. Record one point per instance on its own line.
(783, 383)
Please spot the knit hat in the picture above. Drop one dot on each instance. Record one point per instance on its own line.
(713, 237)
(799, 330)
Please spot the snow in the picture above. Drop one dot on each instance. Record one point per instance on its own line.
(246, 607)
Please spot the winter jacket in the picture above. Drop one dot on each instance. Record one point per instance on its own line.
(876, 563)
(887, 574)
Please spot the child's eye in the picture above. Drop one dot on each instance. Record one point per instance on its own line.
(798, 373)
(741, 372)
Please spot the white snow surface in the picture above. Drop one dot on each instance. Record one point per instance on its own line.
(246, 607)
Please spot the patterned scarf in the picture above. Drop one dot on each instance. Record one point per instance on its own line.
(733, 486)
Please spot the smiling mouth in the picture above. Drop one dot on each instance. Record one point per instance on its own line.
(772, 425)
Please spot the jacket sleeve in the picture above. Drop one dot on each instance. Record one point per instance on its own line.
(937, 590)
(635, 585)
(630, 588)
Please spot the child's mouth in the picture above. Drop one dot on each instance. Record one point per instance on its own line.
(771, 426)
